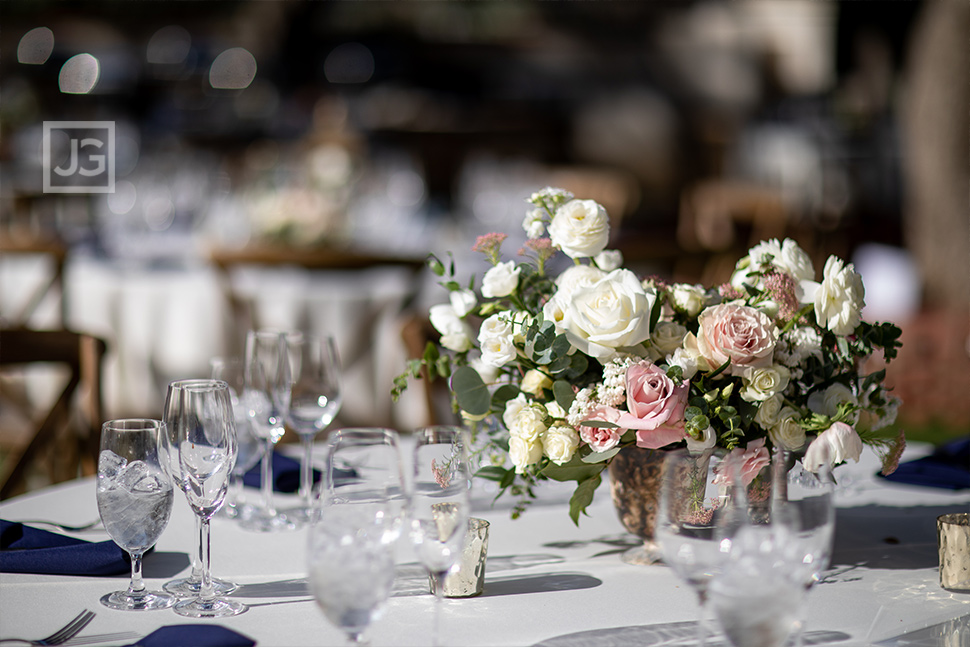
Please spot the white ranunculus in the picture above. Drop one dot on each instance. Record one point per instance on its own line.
(787, 433)
(512, 409)
(707, 440)
(611, 314)
(768, 412)
(580, 228)
(667, 337)
(535, 381)
(609, 259)
(498, 350)
(827, 402)
(528, 423)
(835, 445)
(463, 301)
(497, 325)
(455, 332)
(524, 452)
(761, 383)
(690, 299)
(839, 298)
(500, 280)
(559, 443)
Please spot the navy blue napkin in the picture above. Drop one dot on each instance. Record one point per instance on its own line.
(948, 467)
(194, 635)
(286, 474)
(24, 549)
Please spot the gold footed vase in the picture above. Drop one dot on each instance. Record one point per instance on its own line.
(635, 476)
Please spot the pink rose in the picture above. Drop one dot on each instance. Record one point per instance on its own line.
(601, 438)
(748, 462)
(655, 406)
(741, 334)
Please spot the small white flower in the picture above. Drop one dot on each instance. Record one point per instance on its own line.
(455, 333)
(686, 360)
(827, 402)
(498, 350)
(835, 445)
(559, 443)
(497, 325)
(463, 301)
(554, 410)
(668, 337)
(533, 224)
(528, 423)
(512, 409)
(761, 383)
(707, 440)
(580, 228)
(524, 452)
(839, 298)
(690, 299)
(501, 280)
(609, 259)
(534, 382)
(787, 433)
(768, 412)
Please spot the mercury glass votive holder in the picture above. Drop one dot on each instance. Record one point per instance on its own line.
(467, 578)
(953, 540)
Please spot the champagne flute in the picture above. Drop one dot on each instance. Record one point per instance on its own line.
(314, 402)
(685, 530)
(358, 519)
(440, 503)
(134, 501)
(207, 452)
(250, 447)
(266, 398)
(191, 585)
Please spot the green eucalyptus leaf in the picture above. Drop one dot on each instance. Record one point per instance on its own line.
(470, 391)
(563, 392)
(582, 497)
(492, 473)
(599, 457)
(574, 470)
(502, 395)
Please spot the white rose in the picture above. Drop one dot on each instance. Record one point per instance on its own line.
(707, 440)
(827, 402)
(554, 311)
(768, 412)
(500, 280)
(512, 409)
(668, 337)
(839, 298)
(612, 313)
(835, 445)
(559, 443)
(524, 452)
(497, 325)
(580, 228)
(686, 360)
(455, 333)
(528, 423)
(534, 382)
(463, 301)
(554, 410)
(498, 350)
(609, 259)
(690, 299)
(575, 277)
(762, 383)
(787, 433)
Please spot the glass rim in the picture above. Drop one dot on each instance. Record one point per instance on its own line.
(133, 424)
(193, 384)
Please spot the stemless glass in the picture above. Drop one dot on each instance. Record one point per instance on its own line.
(134, 501)
(314, 403)
(207, 451)
(689, 502)
(184, 587)
(439, 506)
(266, 398)
(250, 447)
(350, 554)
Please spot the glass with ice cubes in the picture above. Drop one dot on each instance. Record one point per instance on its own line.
(135, 502)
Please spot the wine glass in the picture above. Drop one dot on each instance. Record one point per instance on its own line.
(191, 585)
(207, 452)
(249, 446)
(314, 402)
(266, 397)
(685, 531)
(440, 505)
(356, 523)
(134, 501)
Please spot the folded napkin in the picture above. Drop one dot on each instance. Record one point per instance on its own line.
(24, 549)
(947, 467)
(194, 635)
(286, 474)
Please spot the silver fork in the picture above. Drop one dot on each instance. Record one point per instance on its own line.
(62, 635)
(65, 527)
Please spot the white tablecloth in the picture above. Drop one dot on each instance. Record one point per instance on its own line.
(545, 578)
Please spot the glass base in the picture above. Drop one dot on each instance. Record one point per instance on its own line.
(645, 555)
(300, 516)
(188, 587)
(261, 521)
(238, 511)
(214, 608)
(146, 601)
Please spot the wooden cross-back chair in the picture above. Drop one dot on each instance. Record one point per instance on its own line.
(83, 355)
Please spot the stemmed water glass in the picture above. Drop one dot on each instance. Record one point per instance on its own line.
(439, 507)
(350, 555)
(685, 531)
(314, 402)
(191, 585)
(207, 452)
(134, 501)
(249, 447)
(266, 398)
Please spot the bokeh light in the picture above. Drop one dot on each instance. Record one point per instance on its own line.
(79, 74)
(36, 46)
(233, 69)
(169, 46)
(349, 63)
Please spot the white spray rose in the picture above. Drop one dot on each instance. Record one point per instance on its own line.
(690, 299)
(455, 332)
(512, 409)
(668, 337)
(497, 325)
(498, 350)
(580, 228)
(609, 259)
(535, 381)
(554, 410)
(500, 280)
(768, 412)
(761, 383)
(559, 443)
(787, 433)
(611, 314)
(839, 298)
(835, 445)
(575, 277)
(528, 423)
(463, 301)
(524, 452)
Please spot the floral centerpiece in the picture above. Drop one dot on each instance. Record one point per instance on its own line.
(558, 373)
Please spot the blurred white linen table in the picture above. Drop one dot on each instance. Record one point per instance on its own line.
(547, 582)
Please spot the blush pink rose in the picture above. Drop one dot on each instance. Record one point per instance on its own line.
(655, 406)
(748, 462)
(741, 334)
(601, 438)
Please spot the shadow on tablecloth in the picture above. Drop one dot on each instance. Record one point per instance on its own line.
(670, 634)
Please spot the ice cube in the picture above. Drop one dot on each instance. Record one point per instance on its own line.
(132, 474)
(148, 484)
(110, 464)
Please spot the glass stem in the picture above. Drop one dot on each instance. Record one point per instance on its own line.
(306, 469)
(136, 588)
(267, 478)
(702, 619)
(196, 560)
(206, 592)
(439, 594)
